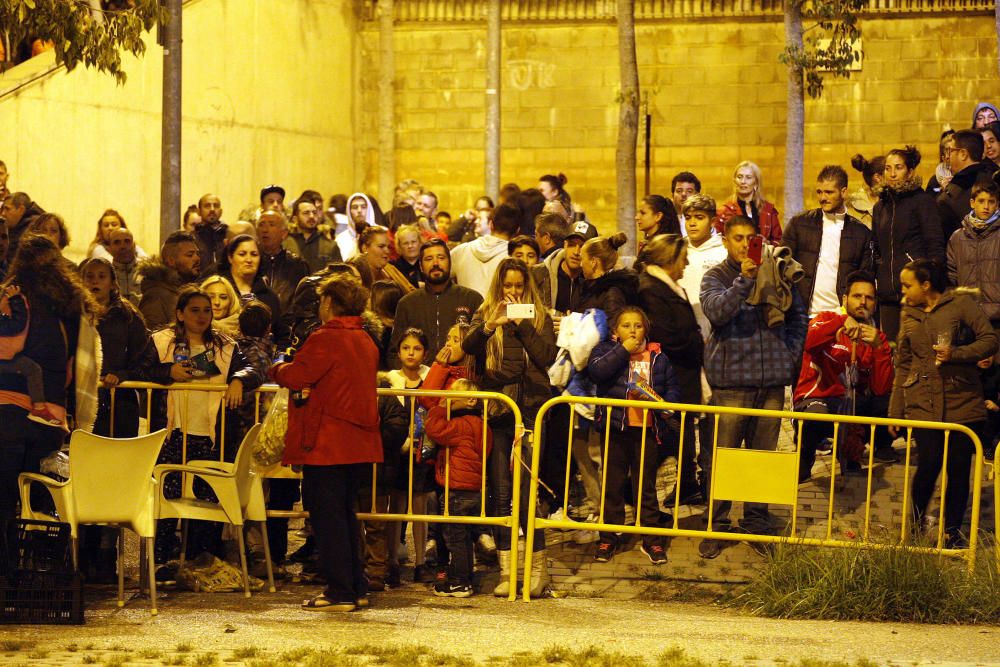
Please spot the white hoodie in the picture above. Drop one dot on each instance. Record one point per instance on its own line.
(700, 260)
(474, 263)
(347, 240)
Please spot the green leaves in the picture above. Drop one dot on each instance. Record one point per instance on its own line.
(81, 34)
(830, 46)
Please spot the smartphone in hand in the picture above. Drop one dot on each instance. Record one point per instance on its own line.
(755, 249)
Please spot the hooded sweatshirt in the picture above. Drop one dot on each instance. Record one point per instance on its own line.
(700, 260)
(980, 107)
(347, 240)
(474, 263)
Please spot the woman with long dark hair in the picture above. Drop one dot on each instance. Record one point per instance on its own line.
(656, 215)
(906, 226)
(62, 334)
(943, 335)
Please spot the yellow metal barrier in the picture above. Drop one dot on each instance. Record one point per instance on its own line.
(755, 475)
(510, 522)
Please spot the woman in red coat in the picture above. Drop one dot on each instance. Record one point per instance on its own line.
(333, 433)
(748, 201)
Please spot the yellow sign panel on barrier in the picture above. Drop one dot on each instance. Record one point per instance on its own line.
(755, 476)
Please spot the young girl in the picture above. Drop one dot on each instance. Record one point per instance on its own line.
(515, 355)
(616, 366)
(212, 357)
(411, 352)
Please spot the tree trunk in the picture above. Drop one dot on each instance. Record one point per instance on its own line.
(795, 115)
(386, 108)
(170, 132)
(493, 47)
(628, 122)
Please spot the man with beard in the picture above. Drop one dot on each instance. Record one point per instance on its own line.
(363, 214)
(210, 234)
(435, 307)
(163, 277)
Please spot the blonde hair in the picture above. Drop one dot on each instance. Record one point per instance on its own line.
(405, 229)
(758, 198)
(464, 384)
(494, 297)
(605, 249)
(664, 249)
(234, 298)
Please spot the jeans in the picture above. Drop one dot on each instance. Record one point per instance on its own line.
(330, 494)
(502, 482)
(756, 433)
(459, 536)
(930, 449)
(625, 456)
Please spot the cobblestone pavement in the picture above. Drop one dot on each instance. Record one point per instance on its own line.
(480, 628)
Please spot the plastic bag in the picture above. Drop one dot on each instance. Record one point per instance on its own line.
(270, 445)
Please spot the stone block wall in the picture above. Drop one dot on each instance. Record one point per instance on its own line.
(716, 95)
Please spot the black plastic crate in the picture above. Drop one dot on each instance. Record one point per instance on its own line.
(37, 546)
(41, 597)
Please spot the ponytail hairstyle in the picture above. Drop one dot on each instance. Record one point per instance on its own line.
(605, 249)
(669, 223)
(494, 297)
(929, 271)
(910, 156)
(558, 184)
(868, 168)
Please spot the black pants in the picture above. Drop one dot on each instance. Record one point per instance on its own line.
(500, 479)
(888, 316)
(624, 453)
(930, 449)
(813, 432)
(330, 494)
(282, 494)
(202, 535)
(459, 536)
(23, 445)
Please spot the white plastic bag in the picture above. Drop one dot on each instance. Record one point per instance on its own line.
(270, 445)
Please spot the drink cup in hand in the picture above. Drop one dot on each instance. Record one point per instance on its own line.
(943, 346)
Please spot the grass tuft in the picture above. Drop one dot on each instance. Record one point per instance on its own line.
(246, 652)
(90, 659)
(183, 648)
(205, 660)
(15, 645)
(115, 660)
(874, 585)
(150, 654)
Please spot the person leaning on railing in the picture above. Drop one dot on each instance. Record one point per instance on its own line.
(943, 334)
(333, 433)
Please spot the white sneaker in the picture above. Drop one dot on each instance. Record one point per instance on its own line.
(586, 536)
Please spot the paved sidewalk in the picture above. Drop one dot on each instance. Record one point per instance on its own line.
(482, 627)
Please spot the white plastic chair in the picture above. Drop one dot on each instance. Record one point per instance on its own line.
(111, 483)
(240, 493)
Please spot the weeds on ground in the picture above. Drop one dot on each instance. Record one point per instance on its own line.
(874, 585)
(174, 660)
(15, 645)
(90, 659)
(246, 652)
(183, 648)
(116, 660)
(205, 660)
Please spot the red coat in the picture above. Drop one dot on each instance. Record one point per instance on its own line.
(769, 224)
(440, 376)
(828, 352)
(461, 439)
(339, 424)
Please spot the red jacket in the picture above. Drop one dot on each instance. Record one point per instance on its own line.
(769, 224)
(440, 376)
(828, 352)
(339, 424)
(461, 439)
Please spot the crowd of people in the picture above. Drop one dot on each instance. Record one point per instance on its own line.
(879, 302)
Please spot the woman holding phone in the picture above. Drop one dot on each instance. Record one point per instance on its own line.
(513, 353)
(943, 334)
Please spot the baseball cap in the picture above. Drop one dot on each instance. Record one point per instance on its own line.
(268, 189)
(582, 230)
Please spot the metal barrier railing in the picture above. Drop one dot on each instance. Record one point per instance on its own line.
(510, 522)
(777, 480)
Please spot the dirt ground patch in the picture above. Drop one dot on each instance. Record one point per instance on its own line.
(205, 629)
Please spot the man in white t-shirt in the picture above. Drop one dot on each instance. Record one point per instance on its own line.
(828, 243)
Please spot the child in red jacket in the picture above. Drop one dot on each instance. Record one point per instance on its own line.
(460, 470)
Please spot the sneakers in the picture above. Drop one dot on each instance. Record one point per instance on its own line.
(710, 548)
(305, 553)
(487, 546)
(656, 554)
(43, 415)
(557, 515)
(852, 468)
(166, 574)
(447, 589)
(605, 550)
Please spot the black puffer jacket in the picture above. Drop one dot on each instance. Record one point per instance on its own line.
(160, 287)
(907, 226)
(611, 292)
(953, 202)
(673, 325)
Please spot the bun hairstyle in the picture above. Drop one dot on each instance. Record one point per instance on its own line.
(910, 156)
(868, 168)
(605, 249)
(556, 182)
